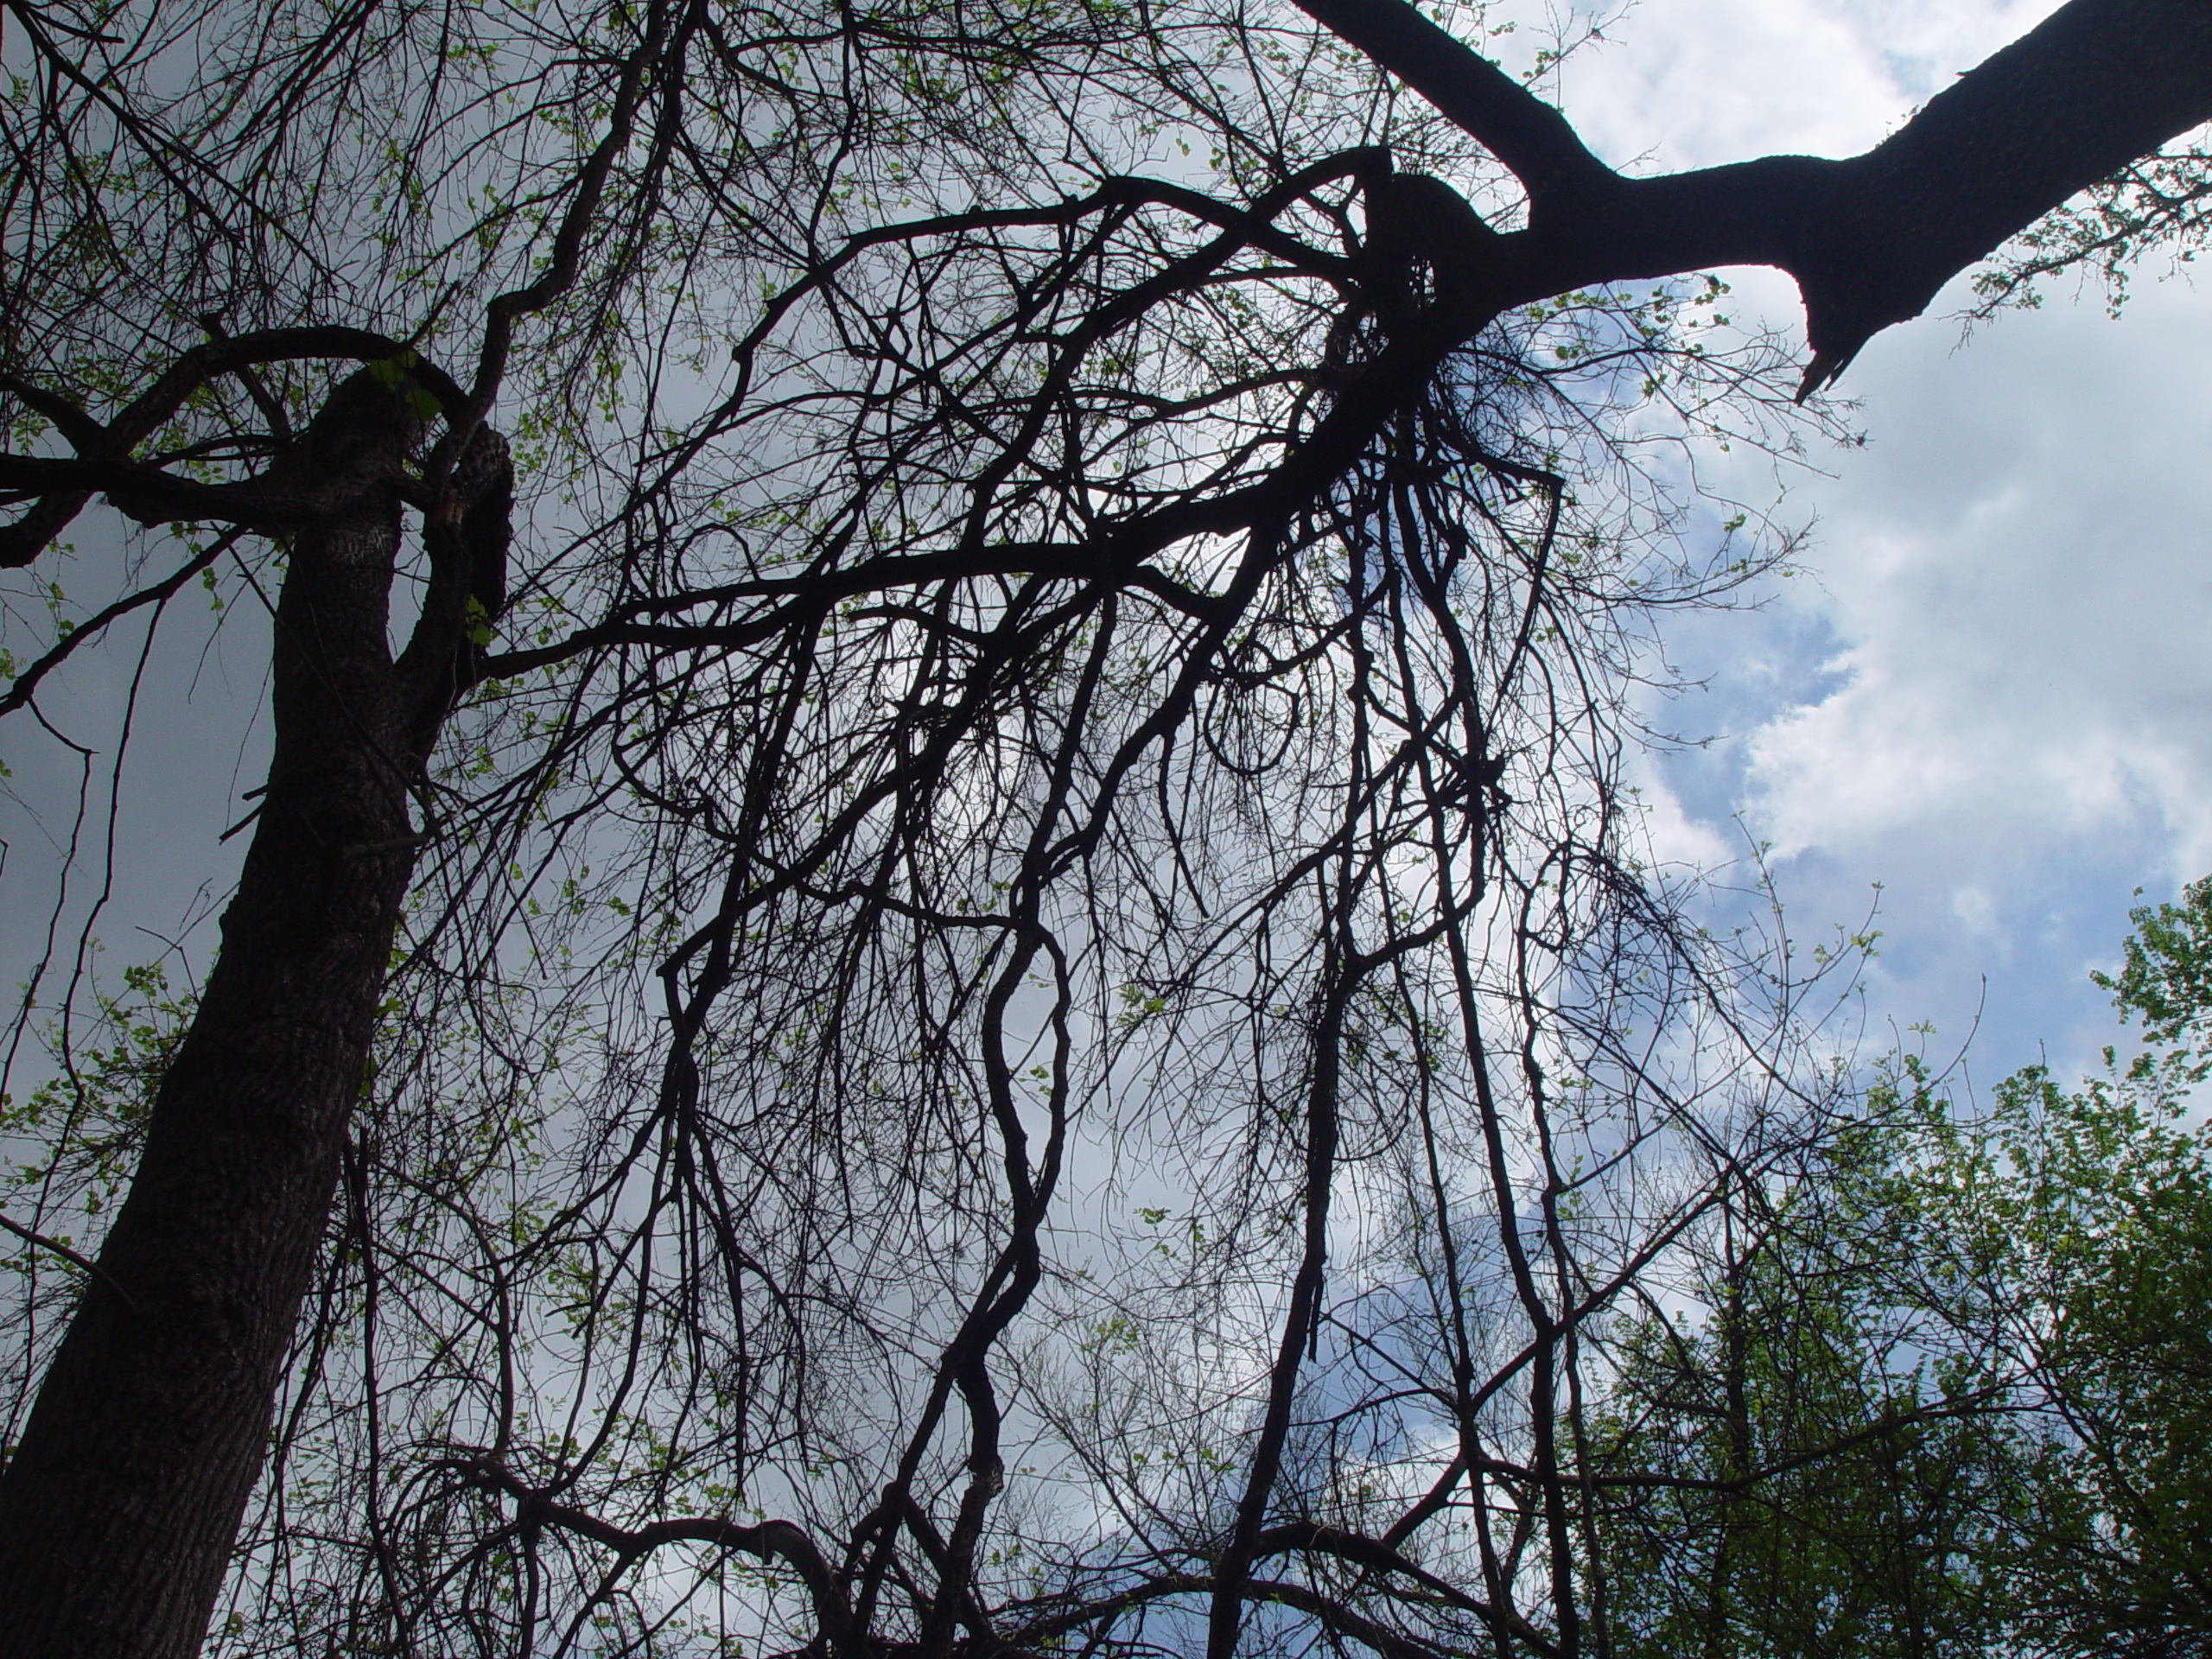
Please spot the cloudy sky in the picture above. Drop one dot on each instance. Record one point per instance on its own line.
(1989, 693)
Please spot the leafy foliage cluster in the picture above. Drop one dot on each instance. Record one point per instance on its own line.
(1950, 1395)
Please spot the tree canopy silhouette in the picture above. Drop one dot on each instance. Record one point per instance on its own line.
(978, 980)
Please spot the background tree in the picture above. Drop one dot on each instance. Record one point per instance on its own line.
(1804, 1455)
(2098, 1203)
(1112, 669)
(1944, 1391)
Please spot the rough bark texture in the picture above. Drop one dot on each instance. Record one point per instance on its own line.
(118, 1509)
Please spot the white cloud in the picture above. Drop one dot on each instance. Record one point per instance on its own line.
(1996, 698)
(1674, 841)
(1692, 83)
(2021, 569)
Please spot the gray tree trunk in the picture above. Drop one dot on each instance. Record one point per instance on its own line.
(118, 1508)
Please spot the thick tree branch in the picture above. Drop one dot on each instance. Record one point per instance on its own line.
(770, 1540)
(137, 421)
(33, 533)
(2097, 85)
(1870, 239)
(1520, 128)
(272, 503)
(280, 501)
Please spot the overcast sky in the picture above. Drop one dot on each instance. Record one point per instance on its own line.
(1990, 692)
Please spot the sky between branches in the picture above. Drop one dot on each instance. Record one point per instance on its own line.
(1989, 691)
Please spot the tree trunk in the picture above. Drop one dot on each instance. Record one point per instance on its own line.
(118, 1508)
